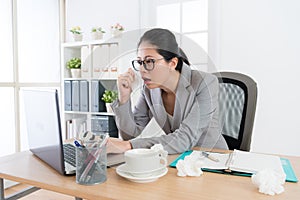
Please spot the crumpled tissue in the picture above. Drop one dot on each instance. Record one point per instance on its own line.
(190, 165)
(269, 181)
(160, 149)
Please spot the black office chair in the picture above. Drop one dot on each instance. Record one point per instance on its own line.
(237, 105)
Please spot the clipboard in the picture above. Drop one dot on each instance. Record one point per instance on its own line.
(286, 165)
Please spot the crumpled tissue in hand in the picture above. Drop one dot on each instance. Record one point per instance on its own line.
(190, 165)
(269, 181)
(160, 149)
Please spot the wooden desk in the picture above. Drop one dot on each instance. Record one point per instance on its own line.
(25, 168)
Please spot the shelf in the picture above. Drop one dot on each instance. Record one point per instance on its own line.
(76, 112)
(85, 93)
(76, 79)
(89, 79)
(105, 79)
(86, 43)
(89, 113)
(102, 113)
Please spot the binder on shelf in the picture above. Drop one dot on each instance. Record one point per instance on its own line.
(79, 125)
(68, 95)
(113, 52)
(100, 62)
(84, 96)
(102, 107)
(95, 96)
(68, 129)
(75, 126)
(96, 62)
(97, 90)
(113, 60)
(86, 62)
(75, 96)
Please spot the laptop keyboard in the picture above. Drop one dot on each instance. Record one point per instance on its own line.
(70, 154)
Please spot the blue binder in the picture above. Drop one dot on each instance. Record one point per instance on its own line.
(75, 96)
(68, 95)
(84, 96)
(95, 96)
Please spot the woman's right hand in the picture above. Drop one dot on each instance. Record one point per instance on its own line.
(116, 145)
(125, 82)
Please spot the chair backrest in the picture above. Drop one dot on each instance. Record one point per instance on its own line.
(237, 105)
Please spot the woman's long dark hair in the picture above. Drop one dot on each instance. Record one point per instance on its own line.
(166, 44)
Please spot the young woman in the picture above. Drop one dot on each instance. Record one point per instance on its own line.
(184, 102)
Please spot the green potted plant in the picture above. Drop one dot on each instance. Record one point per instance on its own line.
(108, 97)
(77, 33)
(74, 64)
(97, 33)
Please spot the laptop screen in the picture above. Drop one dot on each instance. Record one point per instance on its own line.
(43, 126)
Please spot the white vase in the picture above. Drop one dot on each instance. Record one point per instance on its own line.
(96, 35)
(116, 33)
(108, 107)
(77, 37)
(76, 73)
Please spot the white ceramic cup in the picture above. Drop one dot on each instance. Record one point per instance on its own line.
(144, 160)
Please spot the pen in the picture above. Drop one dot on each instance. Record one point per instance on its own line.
(207, 155)
(94, 160)
(86, 168)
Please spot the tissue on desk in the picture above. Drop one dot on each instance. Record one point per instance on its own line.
(160, 149)
(190, 165)
(269, 181)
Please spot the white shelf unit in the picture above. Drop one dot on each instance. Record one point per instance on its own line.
(89, 61)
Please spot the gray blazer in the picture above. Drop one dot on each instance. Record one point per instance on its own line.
(195, 120)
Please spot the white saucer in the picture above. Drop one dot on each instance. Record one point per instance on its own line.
(149, 178)
(124, 168)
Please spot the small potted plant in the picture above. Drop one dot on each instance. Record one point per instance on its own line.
(108, 97)
(97, 33)
(74, 64)
(77, 33)
(116, 30)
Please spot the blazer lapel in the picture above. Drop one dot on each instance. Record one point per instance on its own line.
(159, 110)
(182, 97)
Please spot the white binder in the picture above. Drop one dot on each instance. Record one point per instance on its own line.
(113, 60)
(86, 62)
(100, 61)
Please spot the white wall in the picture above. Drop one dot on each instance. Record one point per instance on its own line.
(261, 38)
(94, 13)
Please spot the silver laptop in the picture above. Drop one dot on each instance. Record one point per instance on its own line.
(44, 128)
(44, 131)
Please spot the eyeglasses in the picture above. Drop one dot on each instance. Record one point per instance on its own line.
(148, 64)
